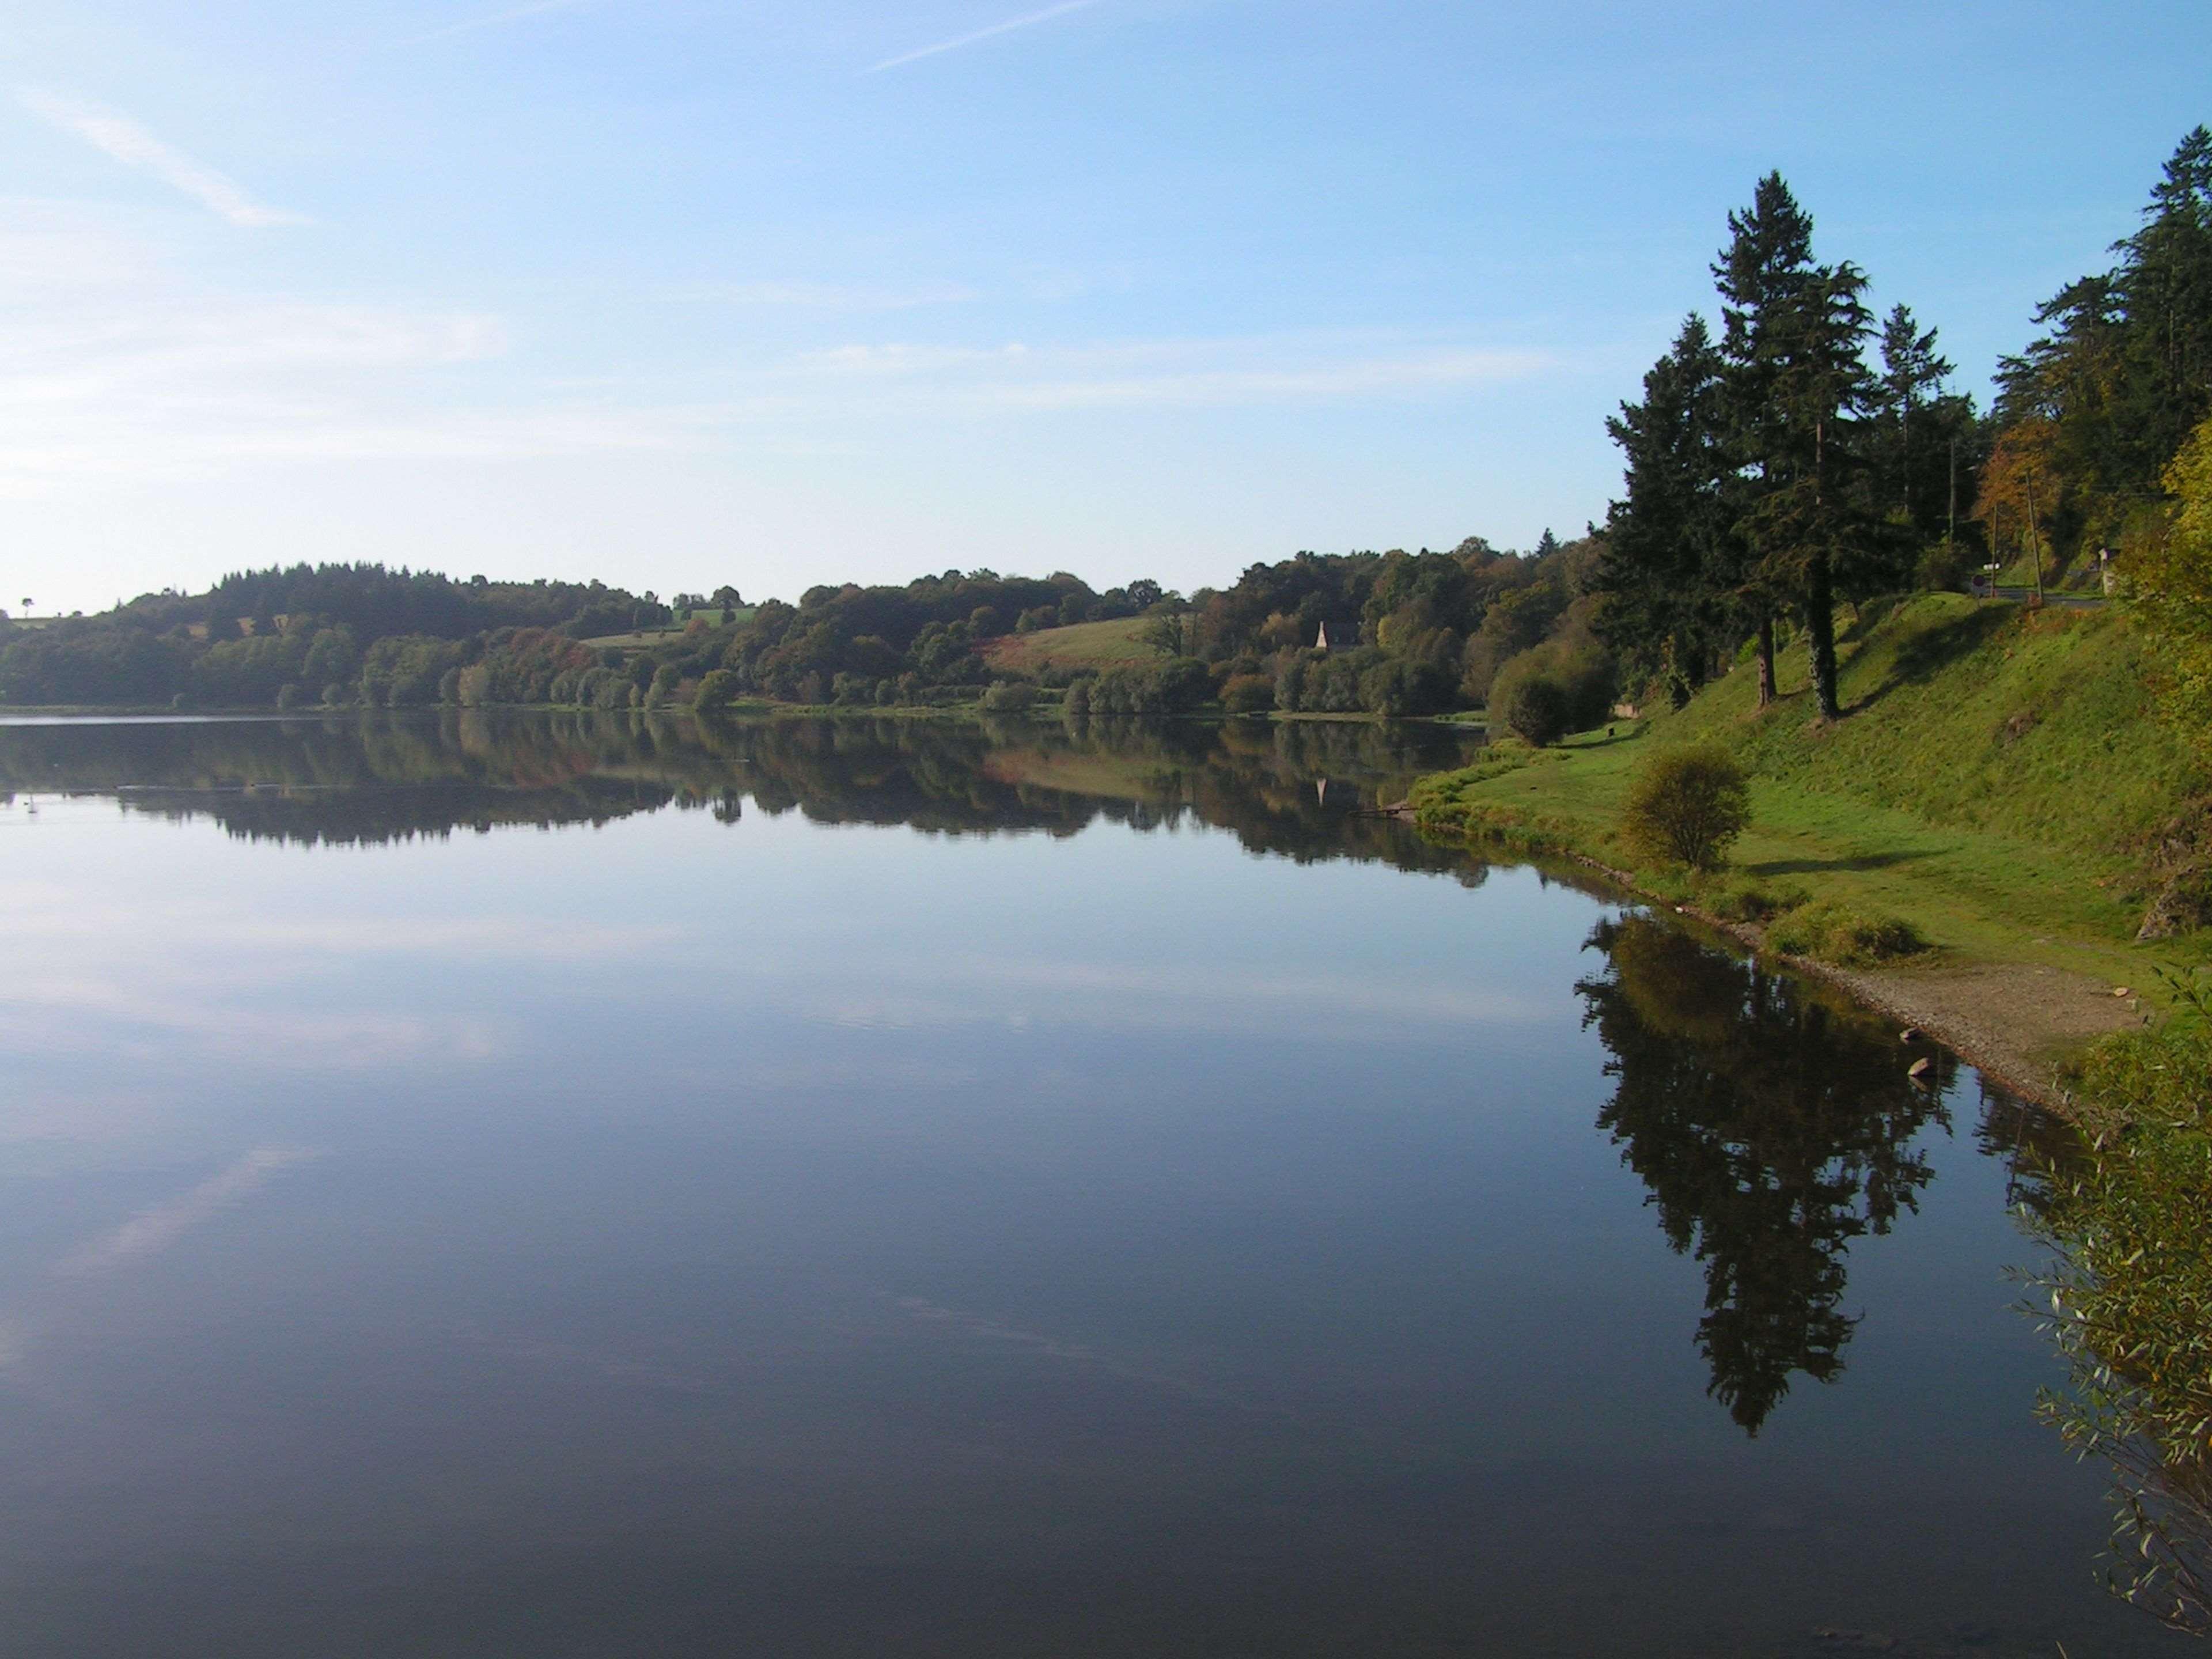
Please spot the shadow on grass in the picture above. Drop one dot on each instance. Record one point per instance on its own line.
(1607, 742)
(1928, 652)
(1809, 867)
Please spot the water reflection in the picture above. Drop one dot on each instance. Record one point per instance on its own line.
(1772, 1127)
(996, 1230)
(1300, 790)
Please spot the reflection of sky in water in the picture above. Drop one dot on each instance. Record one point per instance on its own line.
(739, 1221)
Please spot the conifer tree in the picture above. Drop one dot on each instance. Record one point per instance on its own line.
(2164, 288)
(2124, 370)
(1666, 555)
(1760, 274)
(1797, 382)
(1912, 376)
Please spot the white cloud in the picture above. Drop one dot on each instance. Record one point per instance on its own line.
(122, 138)
(968, 40)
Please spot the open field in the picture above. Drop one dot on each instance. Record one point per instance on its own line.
(644, 639)
(1099, 644)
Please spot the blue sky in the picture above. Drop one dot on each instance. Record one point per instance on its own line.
(681, 292)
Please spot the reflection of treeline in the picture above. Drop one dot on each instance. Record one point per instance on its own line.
(1773, 1126)
(1298, 791)
(333, 779)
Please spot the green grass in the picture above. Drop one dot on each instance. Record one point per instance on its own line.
(1992, 782)
(1099, 644)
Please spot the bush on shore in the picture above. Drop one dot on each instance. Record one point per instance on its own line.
(1010, 697)
(1534, 708)
(717, 691)
(1686, 806)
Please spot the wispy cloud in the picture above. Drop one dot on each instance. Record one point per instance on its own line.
(122, 138)
(151, 1231)
(968, 40)
(493, 20)
(112, 370)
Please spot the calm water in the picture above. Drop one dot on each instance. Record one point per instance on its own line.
(569, 1186)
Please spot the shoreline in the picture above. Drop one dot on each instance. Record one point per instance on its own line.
(2016, 1023)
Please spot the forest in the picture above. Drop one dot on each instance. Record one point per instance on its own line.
(1796, 457)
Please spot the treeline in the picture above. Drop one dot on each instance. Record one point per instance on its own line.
(885, 645)
(1392, 633)
(1803, 457)
(1406, 632)
(2092, 415)
(305, 633)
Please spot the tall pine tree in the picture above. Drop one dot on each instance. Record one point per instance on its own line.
(1796, 384)
(2124, 370)
(1912, 376)
(1762, 271)
(1666, 555)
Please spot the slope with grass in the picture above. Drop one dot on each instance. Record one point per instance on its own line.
(644, 639)
(1100, 645)
(1997, 782)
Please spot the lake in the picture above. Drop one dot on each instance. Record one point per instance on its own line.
(565, 1185)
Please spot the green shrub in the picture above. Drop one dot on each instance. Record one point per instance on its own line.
(1829, 931)
(1582, 672)
(718, 691)
(1248, 694)
(1534, 707)
(1010, 697)
(1686, 805)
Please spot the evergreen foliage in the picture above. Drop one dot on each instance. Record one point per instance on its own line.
(2123, 372)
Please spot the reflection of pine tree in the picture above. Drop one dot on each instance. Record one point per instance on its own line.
(1772, 1129)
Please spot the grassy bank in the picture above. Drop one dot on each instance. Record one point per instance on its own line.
(1997, 782)
(1099, 644)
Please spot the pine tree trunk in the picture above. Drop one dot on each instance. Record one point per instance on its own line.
(1820, 634)
(1765, 660)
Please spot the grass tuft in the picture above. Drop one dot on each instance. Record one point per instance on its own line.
(1834, 933)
